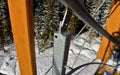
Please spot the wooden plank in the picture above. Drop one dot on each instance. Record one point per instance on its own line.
(21, 16)
(107, 68)
(113, 27)
(106, 46)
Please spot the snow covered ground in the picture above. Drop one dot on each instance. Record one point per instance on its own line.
(8, 61)
(80, 52)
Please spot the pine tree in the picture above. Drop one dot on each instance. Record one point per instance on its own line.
(5, 27)
(48, 14)
(48, 23)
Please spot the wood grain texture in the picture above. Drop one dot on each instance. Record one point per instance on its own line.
(21, 16)
(106, 46)
(113, 27)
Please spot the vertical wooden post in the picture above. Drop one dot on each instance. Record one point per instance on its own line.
(106, 46)
(21, 16)
(113, 27)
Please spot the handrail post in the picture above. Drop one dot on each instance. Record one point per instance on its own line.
(21, 16)
(61, 46)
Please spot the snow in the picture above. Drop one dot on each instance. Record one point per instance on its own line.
(80, 51)
(8, 61)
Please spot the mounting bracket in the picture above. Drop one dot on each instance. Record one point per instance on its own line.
(61, 46)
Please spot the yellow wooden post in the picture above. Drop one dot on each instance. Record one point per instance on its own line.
(21, 16)
(106, 46)
(113, 27)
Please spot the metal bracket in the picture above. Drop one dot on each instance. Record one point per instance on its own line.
(61, 46)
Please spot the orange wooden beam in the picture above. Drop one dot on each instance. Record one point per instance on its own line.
(106, 68)
(113, 27)
(21, 16)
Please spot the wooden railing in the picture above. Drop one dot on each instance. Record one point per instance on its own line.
(21, 17)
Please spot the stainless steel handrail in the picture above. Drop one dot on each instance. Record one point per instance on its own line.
(81, 13)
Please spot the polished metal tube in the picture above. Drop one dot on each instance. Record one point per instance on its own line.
(81, 13)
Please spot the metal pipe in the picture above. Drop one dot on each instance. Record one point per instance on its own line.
(81, 13)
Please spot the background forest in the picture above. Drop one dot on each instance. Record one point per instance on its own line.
(47, 16)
